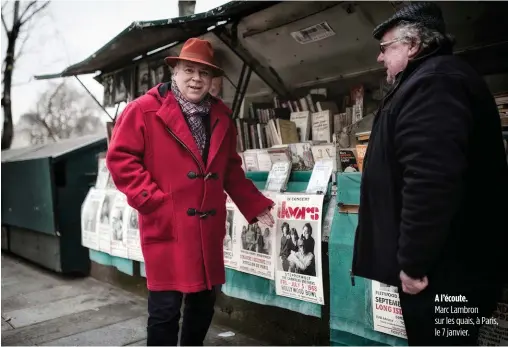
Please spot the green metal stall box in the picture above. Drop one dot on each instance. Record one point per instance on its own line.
(43, 188)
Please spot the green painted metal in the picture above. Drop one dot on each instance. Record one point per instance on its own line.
(351, 318)
(43, 188)
(74, 176)
(28, 195)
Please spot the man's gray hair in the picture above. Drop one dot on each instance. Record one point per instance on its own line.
(417, 33)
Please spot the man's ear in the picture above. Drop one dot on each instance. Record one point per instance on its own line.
(414, 48)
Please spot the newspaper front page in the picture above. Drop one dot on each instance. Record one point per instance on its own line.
(103, 175)
(230, 240)
(103, 220)
(132, 236)
(89, 209)
(298, 236)
(386, 310)
(117, 226)
(256, 253)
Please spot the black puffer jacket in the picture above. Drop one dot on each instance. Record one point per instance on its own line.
(434, 188)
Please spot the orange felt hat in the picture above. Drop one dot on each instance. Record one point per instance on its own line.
(196, 51)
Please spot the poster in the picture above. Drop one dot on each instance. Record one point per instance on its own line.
(103, 222)
(132, 236)
(123, 85)
(117, 228)
(102, 174)
(143, 79)
(386, 310)
(108, 83)
(231, 246)
(298, 271)
(89, 209)
(159, 72)
(256, 253)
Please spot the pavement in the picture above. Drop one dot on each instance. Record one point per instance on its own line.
(42, 308)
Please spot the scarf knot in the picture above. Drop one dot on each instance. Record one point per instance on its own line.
(194, 113)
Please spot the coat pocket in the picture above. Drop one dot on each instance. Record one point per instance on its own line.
(158, 226)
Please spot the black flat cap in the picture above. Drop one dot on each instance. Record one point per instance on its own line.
(425, 13)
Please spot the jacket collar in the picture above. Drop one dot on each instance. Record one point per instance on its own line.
(415, 63)
(173, 118)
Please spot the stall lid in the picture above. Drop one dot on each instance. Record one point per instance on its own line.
(55, 150)
(311, 43)
(142, 37)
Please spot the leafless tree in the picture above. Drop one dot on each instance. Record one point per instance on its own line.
(22, 16)
(62, 112)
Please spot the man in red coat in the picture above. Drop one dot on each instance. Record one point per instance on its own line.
(173, 154)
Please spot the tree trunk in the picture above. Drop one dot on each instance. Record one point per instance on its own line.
(8, 129)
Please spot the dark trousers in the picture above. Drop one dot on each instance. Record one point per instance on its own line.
(431, 321)
(164, 317)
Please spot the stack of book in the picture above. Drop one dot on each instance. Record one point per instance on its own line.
(305, 130)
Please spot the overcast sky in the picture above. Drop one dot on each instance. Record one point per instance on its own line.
(70, 32)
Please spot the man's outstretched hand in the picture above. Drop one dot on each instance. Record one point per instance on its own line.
(266, 218)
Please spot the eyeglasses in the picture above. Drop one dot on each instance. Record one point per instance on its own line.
(383, 45)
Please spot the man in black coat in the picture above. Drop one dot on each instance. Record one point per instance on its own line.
(433, 203)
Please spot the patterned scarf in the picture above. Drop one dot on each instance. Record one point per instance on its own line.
(194, 114)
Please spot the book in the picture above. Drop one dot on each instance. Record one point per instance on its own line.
(278, 176)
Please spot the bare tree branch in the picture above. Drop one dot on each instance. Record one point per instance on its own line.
(62, 112)
(30, 4)
(42, 7)
(49, 110)
(12, 54)
(3, 22)
(22, 45)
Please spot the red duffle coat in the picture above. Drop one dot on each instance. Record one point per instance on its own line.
(154, 161)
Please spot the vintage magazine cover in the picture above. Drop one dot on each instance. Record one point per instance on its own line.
(89, 209)
(102, 174)
(256, 252)
(103, 220)
(132, 236)
(299, 270)
(320, 176)
(386, 310)
(118, 242)
(231, 244)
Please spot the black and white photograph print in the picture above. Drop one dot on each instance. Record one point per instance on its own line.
(133, 220)
(296, 247)
(228, 239)
(143, 79)
(159, 73)
(117, 224)
(109, 91)
(122, 85)
(90, 216)
(255, 238)
(106, 209)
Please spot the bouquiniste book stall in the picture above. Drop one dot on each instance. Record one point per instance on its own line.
(303, 149)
